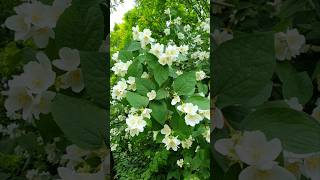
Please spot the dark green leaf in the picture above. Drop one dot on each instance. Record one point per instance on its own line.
(136, 100)
(185, 83)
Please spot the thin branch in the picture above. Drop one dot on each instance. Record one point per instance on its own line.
(222, 4)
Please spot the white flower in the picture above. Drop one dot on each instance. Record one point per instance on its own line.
(187, 28)
(145, 75)
(41, 36)
(175, 100)
(172, 51)
(42, 103)
(146, 113)
(135, 124)
(200, 75)
(165, 59)
(188, 108)
(294, 104)
(171, 143)
(166, 130)
(255, 150)
(316, 113)
(132, 83)
(115, 56)
(180, 163)
(179, 73)
(180, 35)
(206, 134)
(136, 33)
(155, 134)
(69, 59)
(187, 143)
(198, 40)
(120, 68)
(157, 49)
(39, 76)
(221, 37)
(205, 113)
(177, 21)
(119, 90)
(19, 98)
(152, 95)
(275, 173)
(193, 120)
(69, 174)
(225, 146)
(18, 24)
(145, 37)
(281, 47)
(206, 25)
(167, 11)
(311, 166)
(73, 79)
(295, 40)
(184, 49)
(74, 155)
(167, 31)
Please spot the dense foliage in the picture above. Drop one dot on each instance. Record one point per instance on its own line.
(266, 89)
(53, 104)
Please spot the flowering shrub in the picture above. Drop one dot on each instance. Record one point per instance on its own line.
(265, 90)
(161, 95)
(55, 106)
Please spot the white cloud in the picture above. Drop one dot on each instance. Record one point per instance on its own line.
(118, 14)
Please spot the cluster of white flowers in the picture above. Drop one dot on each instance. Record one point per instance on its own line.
(34, 174)
(194, 115)
(288, 45)
(253, 149)
(135, 120)
(29, 92)
(120, 89)
(144, 37)
(120, 68)
(36, 20)
(12, 130)
(221, 36)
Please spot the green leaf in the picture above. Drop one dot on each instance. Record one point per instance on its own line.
(179, 126)
(202, 88)
(185, 83)
(136, 100)
(290, 7)
(83, 123)
(94, 70)
(48, 127)
(133, 46)
(159, 111)
(295, 84)
(160, 73)
(144, 86)
(81, 26)
(125, 55)
(261, 97)
(135, 69)
(202, 102)
(242, 74)
(298, 132)
(162, 93)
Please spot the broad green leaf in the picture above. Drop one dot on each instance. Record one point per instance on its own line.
(298, 132)
(82, 123)
(261, 97)
(144, 86)
(136, 100)
(94, 70)
(160, 73)
(185, 83)
(125, 55)
(161, 94)
(202, 102)
(135, 69)
(133, 46)
(295, 84)
(81, 26)
(159, 111)
(242, 73)
(179, 125)
(290, 7)
(146, 57)
(48, 127)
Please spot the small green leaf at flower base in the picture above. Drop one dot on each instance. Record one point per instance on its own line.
(144, 86)
(133, 46)
(125, 55)
(136, 100)
(135, 69)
